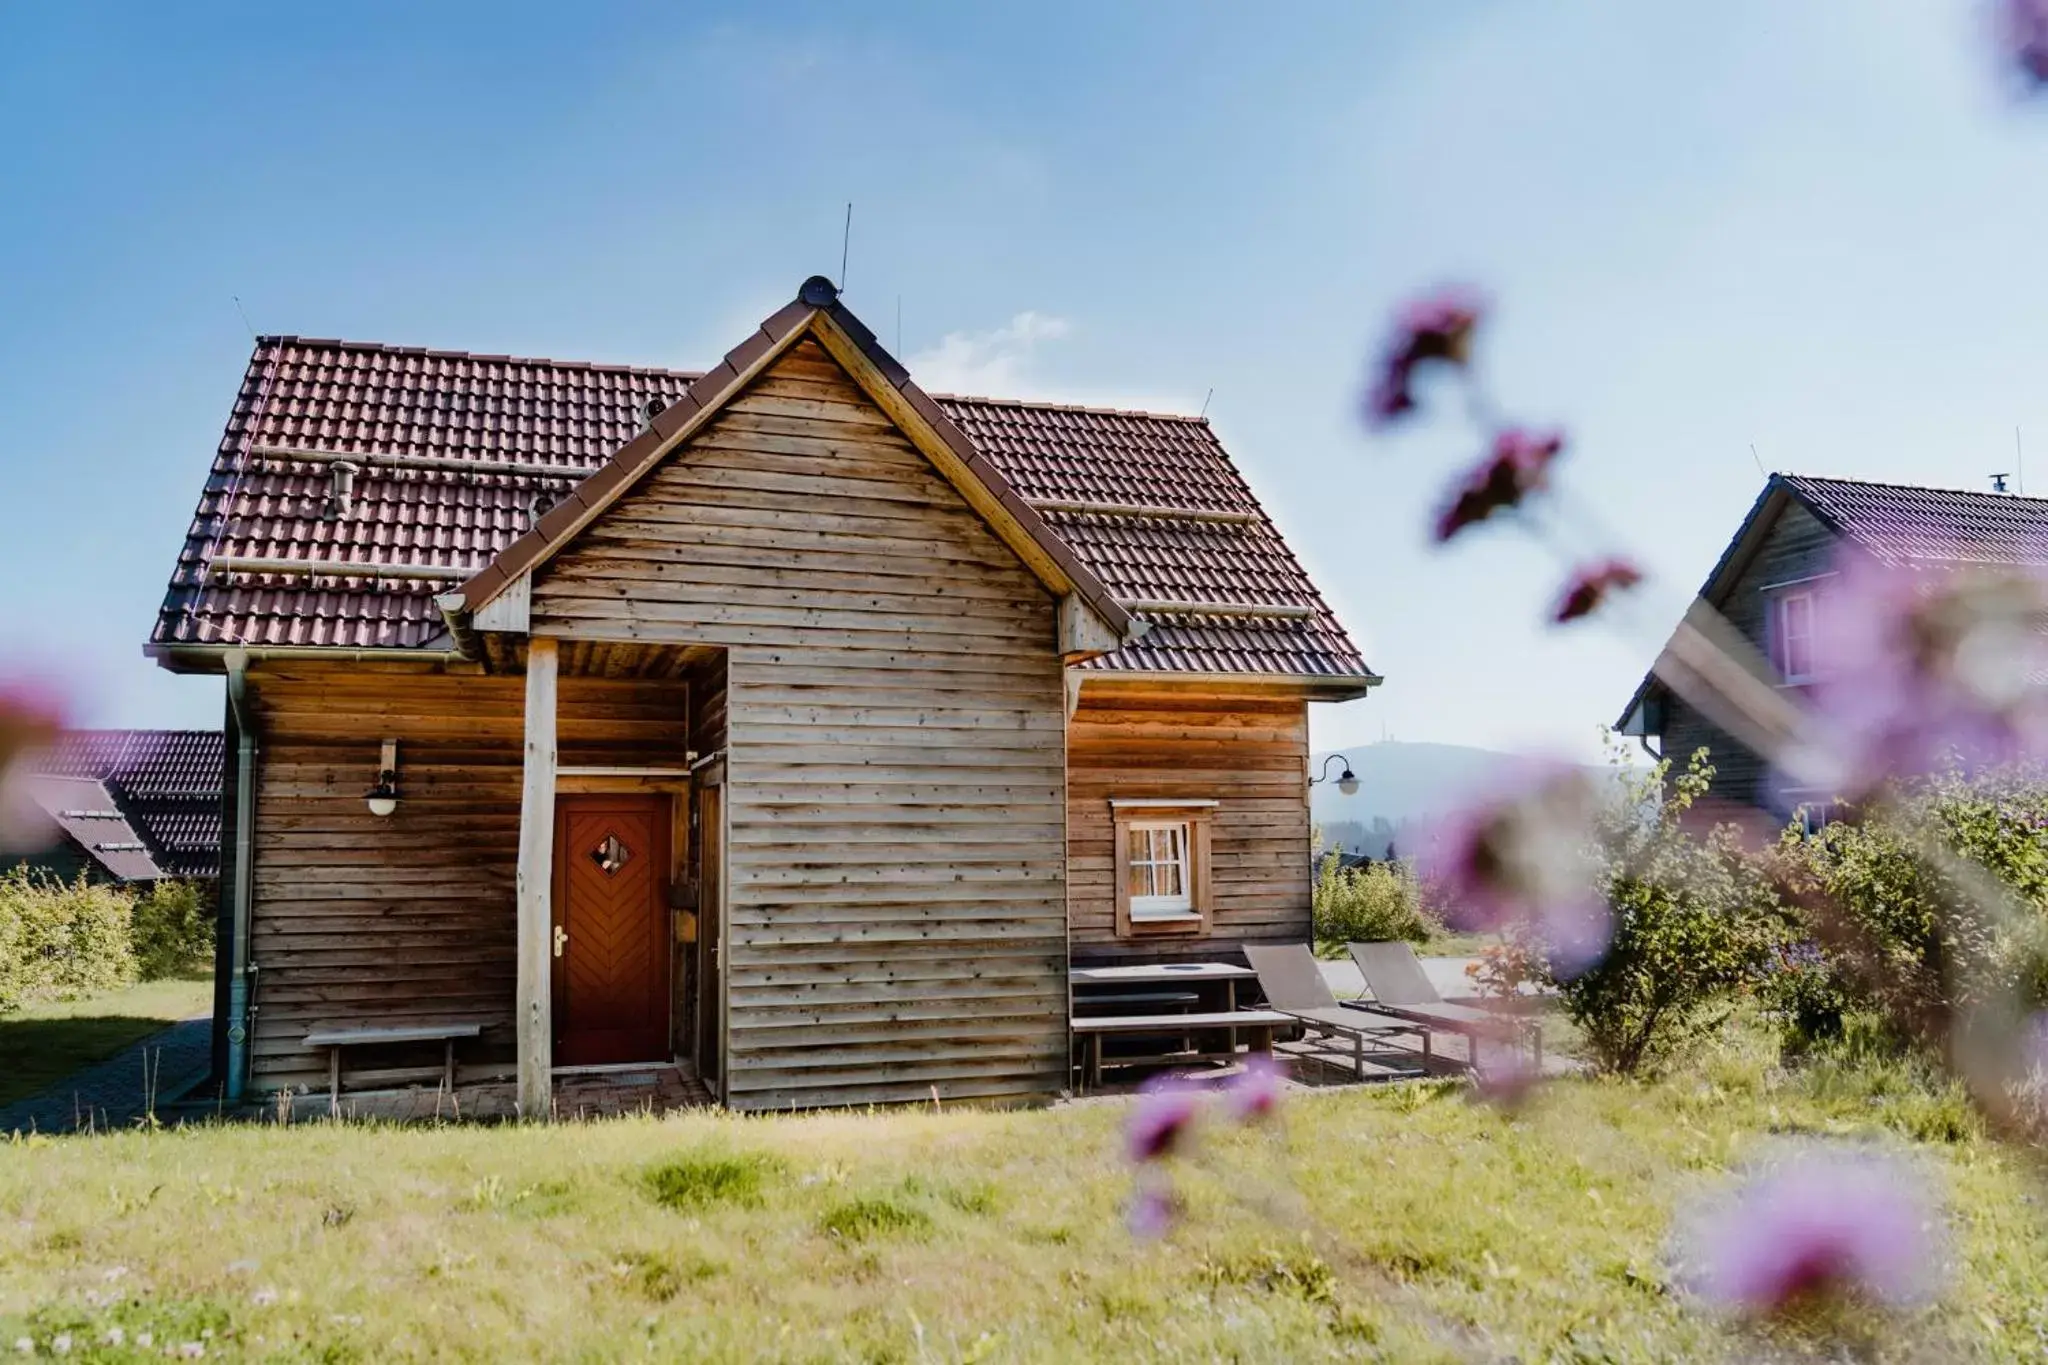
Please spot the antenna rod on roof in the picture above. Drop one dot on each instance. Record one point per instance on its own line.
(245, 315)
(1205, 402)
(845, 241)
(2019, 461)
(1758, 458)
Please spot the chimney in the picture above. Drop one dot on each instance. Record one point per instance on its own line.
(341, 488)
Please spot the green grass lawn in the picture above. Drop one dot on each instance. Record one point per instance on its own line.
(1398, 1223)
(43, 1043)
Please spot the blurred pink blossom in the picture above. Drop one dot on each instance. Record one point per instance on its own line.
(1518, 856)
(1163, 1119)
(1919, 666)
(31, 718)
(1518, 465)
(1253, 1095)
(1505, 1078)
(1592, 584)
(1820, 1223)
(1154, 1209)
(1434, 328)
(2023, 32)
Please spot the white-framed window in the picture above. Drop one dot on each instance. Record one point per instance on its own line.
(1813, 809)
(1795, 616)
(1159, 869)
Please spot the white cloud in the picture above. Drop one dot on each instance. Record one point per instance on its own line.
(997, 363)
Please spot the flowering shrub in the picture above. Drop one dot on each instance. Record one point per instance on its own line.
(61, 938)
(173, 930)
(1367, 904)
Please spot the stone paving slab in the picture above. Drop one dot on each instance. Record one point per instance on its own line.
(112, 1094)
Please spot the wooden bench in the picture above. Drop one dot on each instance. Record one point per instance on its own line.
(1155, 1000)
(334, 1040)
(1096, 1028)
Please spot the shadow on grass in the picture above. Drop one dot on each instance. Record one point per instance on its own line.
(35, 1054)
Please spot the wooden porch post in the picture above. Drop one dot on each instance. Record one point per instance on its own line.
(536, 876)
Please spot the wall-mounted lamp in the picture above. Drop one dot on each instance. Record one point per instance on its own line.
(383, 798)
(1347, 781)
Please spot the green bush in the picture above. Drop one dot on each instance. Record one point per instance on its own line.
(1367, 904)
(173, 931)
(1933, 903)
(1694, 925)
(61, 939)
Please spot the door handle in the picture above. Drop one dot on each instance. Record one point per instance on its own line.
(561, 938)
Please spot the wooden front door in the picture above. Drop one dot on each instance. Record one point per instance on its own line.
(611, 964)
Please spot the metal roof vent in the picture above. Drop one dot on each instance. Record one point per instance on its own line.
(1998, 482)
(652, 409)
(341, 489)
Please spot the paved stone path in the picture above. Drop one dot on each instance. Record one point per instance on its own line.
(111, 1094)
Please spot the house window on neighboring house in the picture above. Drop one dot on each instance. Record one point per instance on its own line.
(1162, 865)
(1794, 615)
(1811, 809)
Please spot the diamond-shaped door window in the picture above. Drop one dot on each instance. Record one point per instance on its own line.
(611, 855)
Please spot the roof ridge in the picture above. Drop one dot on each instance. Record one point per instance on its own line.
(1912, 487)
(274, 339)
(434, 353)
(1045, 405)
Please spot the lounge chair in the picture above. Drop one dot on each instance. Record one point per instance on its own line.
(1294, 986)
(1402, 990)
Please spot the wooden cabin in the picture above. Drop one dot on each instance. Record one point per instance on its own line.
(783, 721)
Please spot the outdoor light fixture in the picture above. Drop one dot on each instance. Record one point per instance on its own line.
(383, 798)
(1347, 781)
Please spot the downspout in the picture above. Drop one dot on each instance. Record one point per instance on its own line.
(245, 848)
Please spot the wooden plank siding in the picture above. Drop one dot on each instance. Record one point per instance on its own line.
(367, 921)
(1795, 546)
(895, 723)
(1248, 752)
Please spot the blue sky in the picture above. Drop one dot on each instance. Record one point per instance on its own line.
(1809, 227)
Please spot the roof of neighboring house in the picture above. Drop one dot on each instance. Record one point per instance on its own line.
(157, 788)
(1896, 523)
(1900, 523)
(88, 814)
(368, 399)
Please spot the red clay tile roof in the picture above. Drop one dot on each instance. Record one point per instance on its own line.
(165, 786)
(366, 398)
(1901, 523)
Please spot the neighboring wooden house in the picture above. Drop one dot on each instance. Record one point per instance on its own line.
(781, 720)
(130, 806)
(1771, 584)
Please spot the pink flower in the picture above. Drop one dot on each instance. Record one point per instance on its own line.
(1518, 465)
(2023, 31)
(1435, 328)
(1506, 1078)
(1591, 584)
(1818, 1224)
(1154, 1209)
(31, 718)
(1517, 857)
(1917, 667)
(1162, 1120)
(1253, 1095)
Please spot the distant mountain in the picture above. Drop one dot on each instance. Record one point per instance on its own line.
(1402, 788)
